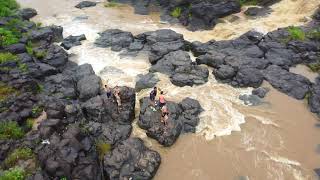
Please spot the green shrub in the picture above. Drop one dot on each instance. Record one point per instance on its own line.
(36, 111)
(40, 54)
(29, 124)
(102, 148)
(248, 2)
(5, 91)
(176, 12)
(7, 57)
(296, 33)
(315, 67)
(314, 34)
(18, 154)
(13, 174)
(23, 67)
(7, 37)
(10, 130)
(7, 7)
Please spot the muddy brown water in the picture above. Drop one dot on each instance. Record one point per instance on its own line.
(277, 140)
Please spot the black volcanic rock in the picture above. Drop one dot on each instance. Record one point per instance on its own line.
(131, 159)
(85, 4)
(72, 41)
(183, 118)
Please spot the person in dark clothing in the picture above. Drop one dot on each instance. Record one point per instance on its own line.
(153, 94)
(108, 90)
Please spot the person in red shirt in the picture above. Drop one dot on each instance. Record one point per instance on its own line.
(162, 100)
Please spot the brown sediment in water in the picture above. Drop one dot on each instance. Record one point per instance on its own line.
(278, 139)
(304, 71)
(277, 142)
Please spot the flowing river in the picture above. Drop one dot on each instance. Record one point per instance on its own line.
(276, 140)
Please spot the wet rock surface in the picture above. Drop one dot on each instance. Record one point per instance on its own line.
(131, 159)
(80, 117)
(258, 11)
(146, 81)
(72, 41)
(85, 4)
(183, 118)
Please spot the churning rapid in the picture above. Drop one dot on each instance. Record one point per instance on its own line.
(276, 140)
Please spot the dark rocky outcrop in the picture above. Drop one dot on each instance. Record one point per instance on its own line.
(146, 81)
(291, 84)
(85, 4)
(114, 38)
(27, 13)
(258, 11)
(261, 91)
(130, 159)
(314, 97)
(183, 118)
(72, 41)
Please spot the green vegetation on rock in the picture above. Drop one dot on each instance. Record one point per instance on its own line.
(314, 34)
(248, 2)
(10, 130)
(102, 148)
(5, 91)
(296, 33)
(7, 57)
(18, 154)
(7, 37)
(315, 67)
(36, 111)
(7, 7)
(176, 12)
(13, 174)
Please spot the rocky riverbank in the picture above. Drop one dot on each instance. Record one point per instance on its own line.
(85, 135)
(242, 62)
(195, 14)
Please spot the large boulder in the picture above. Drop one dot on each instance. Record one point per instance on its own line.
(56, 56)
(89, 87)
(131, 159)
(183, 117)
(314, 99)
(72, 41)
(114, 38)
(85, 4)
(146, 81)
(289, 83)
(27, 13)
(48, 34)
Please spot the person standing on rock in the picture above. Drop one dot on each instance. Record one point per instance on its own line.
(164, 114)
(117, 95)
(162, 100)
(153, 95)
(108, 90)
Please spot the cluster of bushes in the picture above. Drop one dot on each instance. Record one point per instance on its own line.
(6, 58)
(8, 7)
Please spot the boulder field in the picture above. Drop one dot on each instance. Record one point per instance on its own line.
(242, 62)
(194, 14)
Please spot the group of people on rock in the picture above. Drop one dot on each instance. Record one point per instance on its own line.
(162, 104)
(115, 92)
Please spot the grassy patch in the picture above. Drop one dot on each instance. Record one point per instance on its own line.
(7, 57)
(248, 2)
(315, 67)
(29, 48)
(296, 33)
(7, 7)
(29, 124)
(102, 148)
(314, 34)
(7, 37)
(10, 130)
(5, 91)
(13, 174)
(176, 12)
(36, 111)
(40, 54)
(18, 154)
